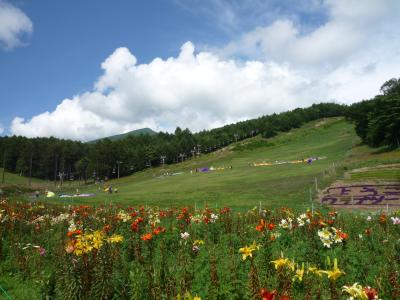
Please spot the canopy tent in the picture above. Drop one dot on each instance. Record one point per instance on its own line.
(50, 194)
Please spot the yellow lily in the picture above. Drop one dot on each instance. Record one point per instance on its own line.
(316, 271)
(116, 238)
(283, 262)
(248, 250)
(299, 274)
(335, 273)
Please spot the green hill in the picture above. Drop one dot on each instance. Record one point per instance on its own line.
(333, 140)
(124, 135)
(245, 185)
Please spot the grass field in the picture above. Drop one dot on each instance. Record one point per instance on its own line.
(243, 186)
(14, 179)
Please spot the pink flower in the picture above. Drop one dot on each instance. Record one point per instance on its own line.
(41, 250)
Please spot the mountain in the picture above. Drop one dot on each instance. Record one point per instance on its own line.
(136, 132)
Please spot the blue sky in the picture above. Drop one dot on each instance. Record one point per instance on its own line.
(71, 38)
(87, 69)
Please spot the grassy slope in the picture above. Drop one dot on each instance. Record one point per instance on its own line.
(14, 179)
(243, 186)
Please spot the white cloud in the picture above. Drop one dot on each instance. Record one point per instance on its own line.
(192, 90)
(1, 129)
(14, 26)
(352, 26)
(346, 59)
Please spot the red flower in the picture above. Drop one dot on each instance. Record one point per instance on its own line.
(225, 210)
(106, 228)
(158, 230)
(271, 226)
(267, 295)
(332, 213)
(261, 225)
(75, 232)
(146, 237)
(371, 293)
(135, 224)
(133, 214)
(343, 235)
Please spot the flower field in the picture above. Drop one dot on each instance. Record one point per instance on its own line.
(115, 252)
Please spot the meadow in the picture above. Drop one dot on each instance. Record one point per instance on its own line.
(111, 252)
(244, 185)
(246, 232)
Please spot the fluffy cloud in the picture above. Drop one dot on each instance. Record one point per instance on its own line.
(282, 67)
(352, 26)
(191, 90)
(14, 25)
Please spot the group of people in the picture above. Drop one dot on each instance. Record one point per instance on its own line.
(207, 169)
(110, 189)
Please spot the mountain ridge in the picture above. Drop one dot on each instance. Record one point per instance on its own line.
(121, 136)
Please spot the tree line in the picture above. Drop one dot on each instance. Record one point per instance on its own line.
(59, 159)
(377, 121)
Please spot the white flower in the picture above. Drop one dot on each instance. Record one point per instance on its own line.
(196, 218)
(214, 217)
(286, 223)
(72, 226)
(395, 220)
(60, 218)
(303, 216)
(123, 216)
(369, 218)
(300, 221)
(185, 235)
(328, 236)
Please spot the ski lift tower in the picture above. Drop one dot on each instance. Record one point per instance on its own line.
(182, 156)
(198, 150)
(118, 163)
(162, 159)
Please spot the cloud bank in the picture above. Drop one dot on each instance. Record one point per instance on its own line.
(15, 25)
(269, 69)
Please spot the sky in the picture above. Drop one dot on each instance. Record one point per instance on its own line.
(88, 69)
